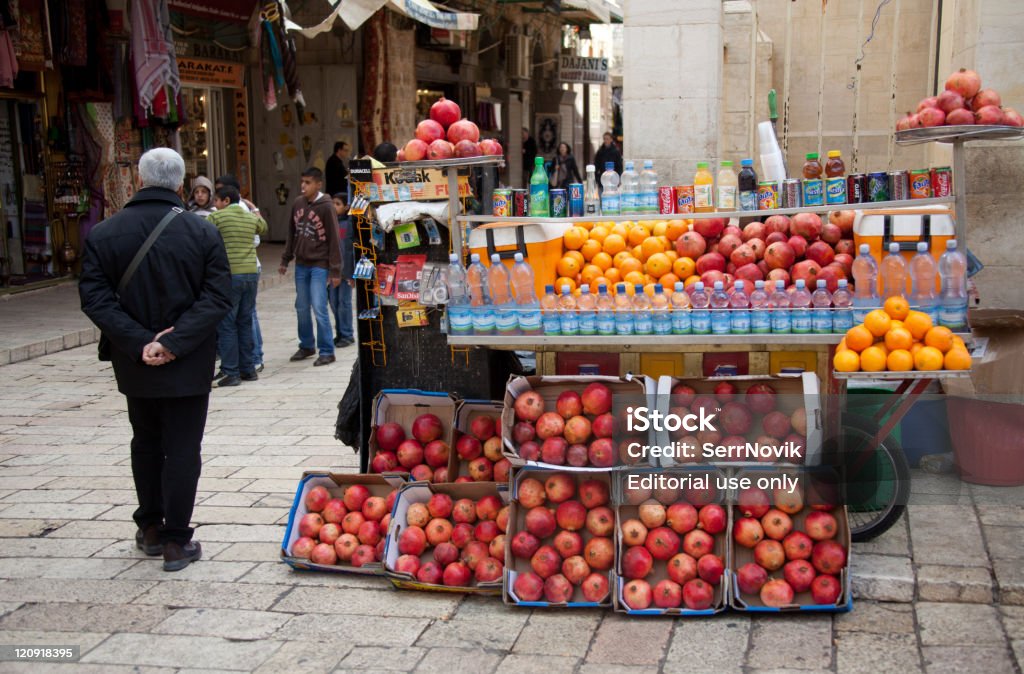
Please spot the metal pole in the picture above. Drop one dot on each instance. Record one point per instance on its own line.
(960, 192)
(454, 226)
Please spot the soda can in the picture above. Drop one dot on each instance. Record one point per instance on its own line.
(575, 200)
(790, 197)
(856, 188)
(878, 187)
(501, 203)
(666, 200)
(684, 198)
(899, 185)
(814, 192)
(942, 181)
(559, 203)
(921, 184)
(835, 191)
(520, 203)
(767, 196)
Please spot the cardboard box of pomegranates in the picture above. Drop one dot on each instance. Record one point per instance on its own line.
(338, 521)
(478, 451)
(448, 537)
(560, 550)
(791, 542)
(412, 433)
(577, 423)
(672, 542)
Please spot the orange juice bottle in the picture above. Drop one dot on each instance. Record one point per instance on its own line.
(703, 189)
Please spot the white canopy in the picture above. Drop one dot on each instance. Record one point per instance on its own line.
(355, 12)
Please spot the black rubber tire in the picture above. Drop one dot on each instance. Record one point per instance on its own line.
(890, 458)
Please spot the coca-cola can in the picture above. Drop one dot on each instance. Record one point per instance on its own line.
(942, 181)
(520, 203)
(666, 200)
(856, 188)
(684, 198)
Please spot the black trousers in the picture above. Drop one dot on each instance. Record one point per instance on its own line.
(166, 461)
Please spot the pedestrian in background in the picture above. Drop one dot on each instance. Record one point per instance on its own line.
(564, 169)
(313, 244)
(529, 155)
(159, 317)
(336, 168)
(340, 298)
(239, 229)
(200, 201)
(608, 152)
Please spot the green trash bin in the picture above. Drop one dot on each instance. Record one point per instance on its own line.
(869, 487)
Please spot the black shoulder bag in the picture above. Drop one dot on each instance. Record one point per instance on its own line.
(103, 348)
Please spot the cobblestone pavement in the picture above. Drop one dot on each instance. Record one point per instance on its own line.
(943, 591)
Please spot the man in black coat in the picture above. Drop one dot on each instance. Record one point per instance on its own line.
(608, 152)
(163, 336)
(335, 170)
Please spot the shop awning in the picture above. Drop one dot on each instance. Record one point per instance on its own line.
(355, 13)
(574, 12)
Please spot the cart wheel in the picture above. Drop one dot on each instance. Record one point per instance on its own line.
(877, 488)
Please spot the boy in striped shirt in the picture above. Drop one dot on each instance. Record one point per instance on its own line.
(238, 228)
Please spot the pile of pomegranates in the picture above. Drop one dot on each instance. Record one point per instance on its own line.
(347, 529)
(962, 102)
(446, 135)
(478, 448)
(424, 455)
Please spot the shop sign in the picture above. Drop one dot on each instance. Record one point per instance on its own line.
(405, 184)
(237, 11)
(583, 69)
(241, 113)
(211, 73)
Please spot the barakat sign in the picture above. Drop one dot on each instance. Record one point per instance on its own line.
(212, 73)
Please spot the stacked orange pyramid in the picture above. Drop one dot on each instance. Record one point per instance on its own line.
(897, 339)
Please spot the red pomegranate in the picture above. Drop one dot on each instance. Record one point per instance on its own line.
(965, 82)
(932, 117)
(463, 130)
(986, 97)
(445, 112)
(989, 114)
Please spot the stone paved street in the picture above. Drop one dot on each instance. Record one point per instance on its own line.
(943, 591)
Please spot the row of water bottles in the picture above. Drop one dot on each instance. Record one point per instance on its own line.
(492, 300)
(630, 194)
(697, 311)
(947, 307)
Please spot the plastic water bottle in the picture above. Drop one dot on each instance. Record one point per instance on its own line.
(629, 191)
(953, 303)
(605, 312)
(643, 322)
(587, 305)
(648, 189)
(551, 321)
(681, 324)
(801, 321)
(567, 314)
(623, 311)
(700, 319)
(479, 297)
(527, 307)
(821, 317)
(779, 303)
(865, 284)
(760, 314)
(661, 318)
(720, 324)
(893, 271)
(610, 204)
(923, 273)
(505, 320)
(739, 303)
(842, 312)
(460, 320)
(591, 197)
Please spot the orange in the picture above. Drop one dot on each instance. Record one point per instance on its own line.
(631, 265)
(568, 267)
(650, 246)
(617, 228)
(630, 289)
(633, 278)
(620, 258)
(613, 275)
(841, 346)
(958, 342)
(928, 358)
(877, 322)
(585, 225)
(957, 359)
(684, 267)
(589, 273)
(638, 252)
(672, 255)
(659, 227)
(669, 281)
(858, 338)
(576, 255)
(917, 346)
(658, 265)
(690, 280)
(675, 229)
(899, 360)
(599, 233)
(574, 237)
(563, 281)
(895, 324)
(602, 260)
(898, 338)
(649, 289)
(665, 243)
(590, 249)
(638, 233)
(940, 337)
(614, 244)
(595, 285)
(846, 361)
(919, 323)
(897, 307)
(872, 359)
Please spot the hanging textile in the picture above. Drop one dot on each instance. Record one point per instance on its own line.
(277, 55)
(8, 60)
(153, 50)
(375, 127)
(30, 39)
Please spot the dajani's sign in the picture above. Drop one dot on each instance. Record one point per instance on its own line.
(583, 69)
(211, 73)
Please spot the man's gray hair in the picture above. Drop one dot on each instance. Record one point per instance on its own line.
(162, 167)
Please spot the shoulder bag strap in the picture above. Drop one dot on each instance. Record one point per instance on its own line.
(150, 240)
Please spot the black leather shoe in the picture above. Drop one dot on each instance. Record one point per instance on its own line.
(343, 342)
(323, 360)
(178, 556)
(303, 354)
(249, 376)
(228, 380)
(149, 541)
